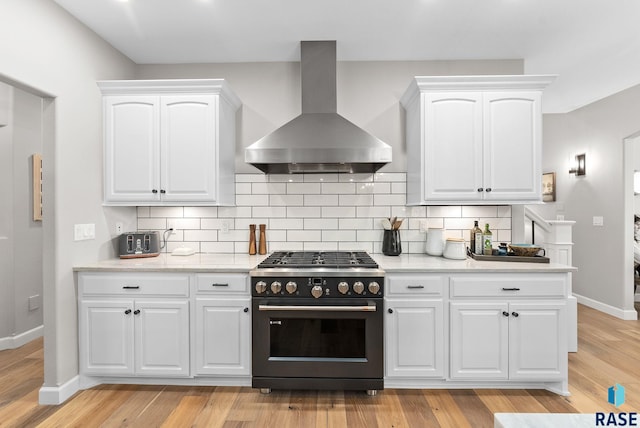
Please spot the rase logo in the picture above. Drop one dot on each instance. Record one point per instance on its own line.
(615, 396)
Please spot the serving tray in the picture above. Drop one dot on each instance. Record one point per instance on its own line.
(509, 258)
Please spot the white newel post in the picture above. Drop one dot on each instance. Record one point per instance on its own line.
(559, 245)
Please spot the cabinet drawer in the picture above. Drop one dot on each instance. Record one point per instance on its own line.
(509, 286)
(418, 284)
(134, 284)
(222, 283)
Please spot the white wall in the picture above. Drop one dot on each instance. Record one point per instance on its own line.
(597, 130)
(7, 325)
(48, 52)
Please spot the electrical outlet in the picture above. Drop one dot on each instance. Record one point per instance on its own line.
(119, 227)
(598, 220)
(423, 226)
(225, 226)
(34, 302)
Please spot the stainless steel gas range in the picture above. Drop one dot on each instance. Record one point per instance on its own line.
(318, 322)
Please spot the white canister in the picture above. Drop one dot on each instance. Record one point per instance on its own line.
(455, 248)
(435, 242)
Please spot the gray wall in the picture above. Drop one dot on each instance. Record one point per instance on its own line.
(7, 326)
(597, 130)
(52, 54)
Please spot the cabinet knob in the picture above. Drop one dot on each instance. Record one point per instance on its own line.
(245, 310)
(480, 189)
(515, 314)
(163, 191)
(390, 310)
(488, 189)
(136, 312)
(154, 191)
(505, 313)
(127, 312)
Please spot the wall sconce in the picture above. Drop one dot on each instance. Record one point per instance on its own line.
(580, 165)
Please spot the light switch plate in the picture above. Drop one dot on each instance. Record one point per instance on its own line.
(598, 220)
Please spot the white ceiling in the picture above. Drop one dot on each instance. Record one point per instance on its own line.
(592, 45)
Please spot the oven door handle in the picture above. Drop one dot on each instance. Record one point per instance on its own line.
(367, 308)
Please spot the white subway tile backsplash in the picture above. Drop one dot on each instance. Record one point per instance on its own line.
(320, 200)
(286, 200)
(317, 212)
(338, 212)
(361, 200)
(303, 188)
(152, 223)
(320, 223)
(339, 188)
(200, 212)
(286, 223)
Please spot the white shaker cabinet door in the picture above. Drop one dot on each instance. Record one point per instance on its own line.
(414, 338)
(188, 148)
(537, 340)
(512, 146)
(479, 340)
(162, 337)
(223, 337)
(452, 165)
(131, 150)
(106, 337)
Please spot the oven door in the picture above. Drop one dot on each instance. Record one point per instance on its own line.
(327, 338)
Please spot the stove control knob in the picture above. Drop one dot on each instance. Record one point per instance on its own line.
(316, 291)
(343, 287)
(358, 287)
(261, 287)
(291, 287)
(276, 287)
(374, 287)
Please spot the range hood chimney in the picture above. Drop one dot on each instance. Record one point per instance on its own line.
(319, 140)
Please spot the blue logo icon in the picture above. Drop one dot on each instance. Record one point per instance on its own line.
(616, 395)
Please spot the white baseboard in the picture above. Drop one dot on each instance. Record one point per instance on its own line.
(18, 340)
(624, 314)
(59, 394)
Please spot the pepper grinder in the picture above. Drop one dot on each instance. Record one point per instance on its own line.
(252, 239)
(262, 249)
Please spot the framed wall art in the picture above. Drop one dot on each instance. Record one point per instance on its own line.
(549, 187)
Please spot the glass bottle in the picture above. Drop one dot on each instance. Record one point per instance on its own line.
(487, 241)
(474, 237)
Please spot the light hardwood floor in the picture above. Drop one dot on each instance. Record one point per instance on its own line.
(609, 352)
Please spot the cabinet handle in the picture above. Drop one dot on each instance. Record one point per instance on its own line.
(219, 285)
(515, 314)
(488, 189)
(154, 190)
(136, 312)
(415, 286)
(131, 287)
(505, 313)
(510, 289)
(245, 310)
(480, 189)
(127, 312)
(163, 191)
(390, 310)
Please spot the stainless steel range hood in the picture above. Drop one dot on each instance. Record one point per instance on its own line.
(319, 140)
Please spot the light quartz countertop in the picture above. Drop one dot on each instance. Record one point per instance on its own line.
(244, 262)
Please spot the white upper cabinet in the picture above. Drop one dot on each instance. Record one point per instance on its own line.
(474, 139)
(169, 142)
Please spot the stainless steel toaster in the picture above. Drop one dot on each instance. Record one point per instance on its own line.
(139, 244)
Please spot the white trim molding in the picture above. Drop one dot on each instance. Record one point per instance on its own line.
(54, 395)
(16, 341)
(624, 314)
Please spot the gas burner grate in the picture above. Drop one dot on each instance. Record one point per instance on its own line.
(311, 259)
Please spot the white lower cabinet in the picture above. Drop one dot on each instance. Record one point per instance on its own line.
(414, 327)
(415, 338)
(223, 337)
(134, 337)
(222, 343)
(505, 340)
